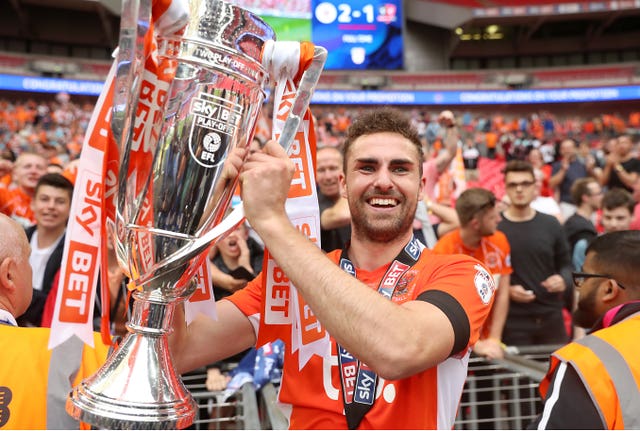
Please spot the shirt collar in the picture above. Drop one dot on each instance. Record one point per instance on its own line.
(7, 318)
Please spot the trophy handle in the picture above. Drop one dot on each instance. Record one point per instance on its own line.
(308, 83)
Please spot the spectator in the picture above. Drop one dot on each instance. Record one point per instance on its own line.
(579, 228)
(234, 261)
(564, 172)
(16, 202)
(545, 204)
(621, 168)
(51, 207)
(617, 210)
(541, 265)
(35, 380)
(535, 158)
(592, 383)
(478, 237)
(335, 219)
(418, 350)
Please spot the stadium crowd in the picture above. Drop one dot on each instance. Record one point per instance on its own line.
(521, 165)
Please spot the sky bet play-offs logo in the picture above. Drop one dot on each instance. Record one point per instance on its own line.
(215, 124)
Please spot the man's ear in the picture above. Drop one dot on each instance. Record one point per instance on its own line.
(612, 292)
(8, 269)
(343, 185)
(423, 183)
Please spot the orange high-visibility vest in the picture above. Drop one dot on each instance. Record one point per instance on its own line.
(35, 381)
(608, 363)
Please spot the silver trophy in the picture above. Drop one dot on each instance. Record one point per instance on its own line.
(171, 202)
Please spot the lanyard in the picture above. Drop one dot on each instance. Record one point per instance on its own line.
(358, 381)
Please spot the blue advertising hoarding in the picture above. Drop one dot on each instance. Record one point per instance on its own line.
(360, 97)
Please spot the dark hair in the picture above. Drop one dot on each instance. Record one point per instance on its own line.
(579, 188)
(8, 154)
(616, 198)
(519, 166)
(57, 181)
(473, 201)
(618, 253)
(381, 120)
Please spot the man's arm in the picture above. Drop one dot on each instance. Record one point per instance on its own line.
(396, 341)
(568, 404)
(500, 308)
(491, 347)
(627, 178)
(558, 176)
(448, 217)
(336, 216)
(205, 341)
(450, 141)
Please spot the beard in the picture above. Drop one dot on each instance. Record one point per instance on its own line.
(381, 227)
(585, 315)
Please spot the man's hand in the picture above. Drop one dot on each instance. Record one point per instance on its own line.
(554, 284)
(489, 348)
(518, 293)
(266, 178)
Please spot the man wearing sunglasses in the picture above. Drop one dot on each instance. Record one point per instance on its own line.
(594, 382)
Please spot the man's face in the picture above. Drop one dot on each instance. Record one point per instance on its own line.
(28, 170)
(623, 146)
(589, 307)
(383, 185)
(230, 245)
(520, 187)
(328, 171)
(616, 219)
(568, 149)
(488, 221)
(51, 207)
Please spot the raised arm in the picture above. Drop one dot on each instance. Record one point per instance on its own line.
(392, 339)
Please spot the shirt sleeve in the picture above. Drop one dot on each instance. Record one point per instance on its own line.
(463, 289)
(568, 404)
(249, 299)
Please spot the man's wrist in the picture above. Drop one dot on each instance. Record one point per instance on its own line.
(619, 168)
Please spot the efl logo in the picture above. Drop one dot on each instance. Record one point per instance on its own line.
(78, 282)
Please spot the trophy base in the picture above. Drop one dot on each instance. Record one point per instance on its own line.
(138, 386)
(106, 413)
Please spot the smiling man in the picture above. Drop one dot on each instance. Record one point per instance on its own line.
(15, 201)
(335, 219)
(51, 205)
(401, 319)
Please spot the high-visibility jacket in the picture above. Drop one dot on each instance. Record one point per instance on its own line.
(608, 363)
(35, 381)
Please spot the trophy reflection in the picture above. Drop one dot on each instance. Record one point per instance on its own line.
(169, 202)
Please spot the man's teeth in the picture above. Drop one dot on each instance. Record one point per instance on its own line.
(383, 202)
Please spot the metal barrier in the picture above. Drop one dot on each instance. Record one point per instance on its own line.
(503, 394)
(246, 409)
(238, 412)
(498, 394)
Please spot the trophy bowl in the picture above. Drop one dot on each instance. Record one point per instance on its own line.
(168, 198)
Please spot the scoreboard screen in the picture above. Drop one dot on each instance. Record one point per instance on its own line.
(359, 34)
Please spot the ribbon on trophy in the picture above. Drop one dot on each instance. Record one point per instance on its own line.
(286, 62)
(141, 86)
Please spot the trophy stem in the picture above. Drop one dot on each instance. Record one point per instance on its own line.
(138, 387)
